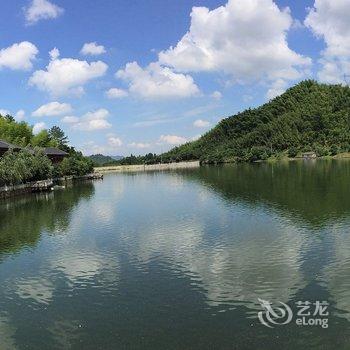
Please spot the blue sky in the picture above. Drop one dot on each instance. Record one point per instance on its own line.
(170, 88)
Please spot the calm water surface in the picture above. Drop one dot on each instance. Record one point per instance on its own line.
(178, 260)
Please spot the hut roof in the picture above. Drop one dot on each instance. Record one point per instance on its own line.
(6, 145)
(51, 151)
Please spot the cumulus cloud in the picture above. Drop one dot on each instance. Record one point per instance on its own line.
(41, 9)
(200, 123)
(92, 49)
(114, 141)
(139, 145)
(52, 109)
(4, 112)
(20, 115)
(246, 39)
(19, 56)
(66, 75)
(91, 147)
(108, 147)
(70, 119)
(54, 53)
(278, 88)
(116, 93)
(172, 139)
(156, 81)
(329, 20)
(38, 127)
(91, 121)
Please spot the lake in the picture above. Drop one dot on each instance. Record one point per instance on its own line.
(179, 260)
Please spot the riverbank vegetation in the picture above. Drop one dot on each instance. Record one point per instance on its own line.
(149, 158)
(31, 164)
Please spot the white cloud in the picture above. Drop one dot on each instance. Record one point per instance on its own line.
(70, 119)
(196, 137)
(4, 112)
(139, 145)
(52, 109)
(92, 49)
(92, 147)
(109, 147)
(38, 127)
(66, 75)
(114, 141)
(19, 56)
(172, 139)
(278, 88)
(41, 9)
(200, 123)
(116, 93)
(54, 53)
(246, 39)
(20, 115)
(217, 95)
(155, 82)
(297, 24)
(91, 121)
(329, 19)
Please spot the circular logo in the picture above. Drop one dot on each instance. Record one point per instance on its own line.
(274, 316)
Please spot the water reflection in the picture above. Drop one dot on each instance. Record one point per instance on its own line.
(23, 219)
(315, 192)
(146, 260)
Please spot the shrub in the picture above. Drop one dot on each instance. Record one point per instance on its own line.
(257, 153)
(292, 152)
(24, 166)
(334, 150)
(74, 165)
(321, 151)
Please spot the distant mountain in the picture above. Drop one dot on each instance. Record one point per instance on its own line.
(307, 117)
(100, 159)
(117, 157)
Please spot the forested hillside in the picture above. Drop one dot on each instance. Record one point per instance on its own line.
(100, 159)
(308, 117)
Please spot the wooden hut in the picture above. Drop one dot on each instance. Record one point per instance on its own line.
(55, 154)
(5, 146)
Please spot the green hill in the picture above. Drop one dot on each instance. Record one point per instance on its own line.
(100, 159)
(307, 117)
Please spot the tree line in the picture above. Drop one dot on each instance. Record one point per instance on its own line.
(31, 164)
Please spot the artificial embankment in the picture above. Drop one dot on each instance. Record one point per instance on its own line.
(43, 185)
(16, 190)
(149, 167)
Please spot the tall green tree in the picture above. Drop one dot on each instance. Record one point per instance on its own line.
(42, 139)
(58, 136)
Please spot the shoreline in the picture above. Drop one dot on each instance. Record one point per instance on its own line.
(147, 167)
(197, 164)
(47, 185)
